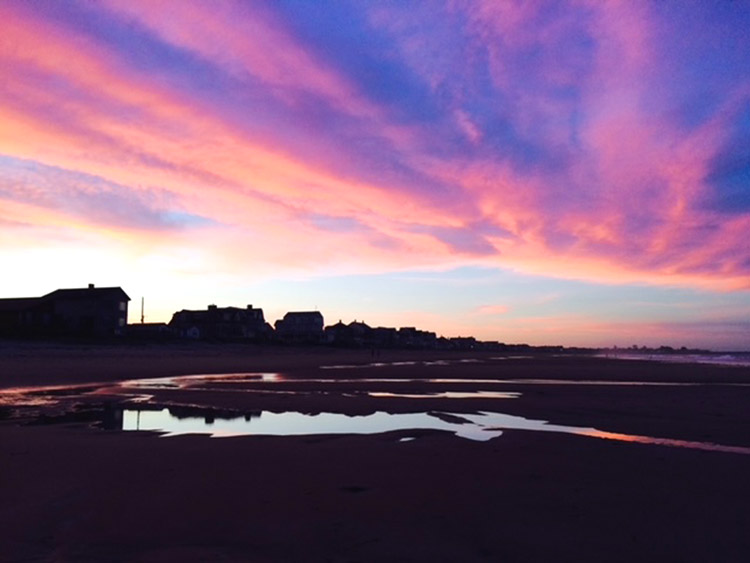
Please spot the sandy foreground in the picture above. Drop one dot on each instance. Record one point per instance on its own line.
(74, 492)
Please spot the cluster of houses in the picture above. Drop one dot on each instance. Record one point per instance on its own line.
(101, 312)
(297, 327)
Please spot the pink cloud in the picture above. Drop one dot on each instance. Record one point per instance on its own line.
(493, 310)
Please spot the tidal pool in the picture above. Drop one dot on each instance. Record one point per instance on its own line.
(447, 395)
(297, 424)
(480, 426)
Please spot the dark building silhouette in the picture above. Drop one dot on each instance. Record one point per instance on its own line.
(301, 326)
(410, 337)
(354, 334)
(89, 312)
(464, 343)
(360, 335)
(384, 337)
(221, 323)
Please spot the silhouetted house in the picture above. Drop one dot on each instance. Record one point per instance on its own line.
(89, 312)
(384, 337)
(302, 326)
(464, 343)
(337, 334)
(221, 323)
(410, 337)
(443, 343)
(354, 334)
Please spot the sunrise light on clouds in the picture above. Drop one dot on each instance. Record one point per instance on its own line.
(571, 173)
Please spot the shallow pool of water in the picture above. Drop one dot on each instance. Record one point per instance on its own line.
(480, 426)
(447, 395)
(297, 424)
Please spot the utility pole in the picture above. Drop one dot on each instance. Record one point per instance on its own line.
(142, 298)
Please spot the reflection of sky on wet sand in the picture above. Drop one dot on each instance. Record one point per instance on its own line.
(296, 424)
(448, 395)
(706, 446)
(182, 381)
(480, 426)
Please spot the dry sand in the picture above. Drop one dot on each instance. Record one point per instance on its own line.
(75, 493)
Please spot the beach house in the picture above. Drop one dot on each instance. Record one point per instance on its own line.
(88, 312)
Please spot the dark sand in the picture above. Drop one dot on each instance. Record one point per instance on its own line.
(70, 492)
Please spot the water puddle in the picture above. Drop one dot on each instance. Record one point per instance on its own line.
(184, 381)
(299, 424)
(406, 363)
(481, 426)
(449, 395)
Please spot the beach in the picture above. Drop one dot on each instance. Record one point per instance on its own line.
(75, 491)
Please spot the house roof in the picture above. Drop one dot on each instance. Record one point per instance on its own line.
(88, 292)
(213, 309)
(304, 314)
(249, 315)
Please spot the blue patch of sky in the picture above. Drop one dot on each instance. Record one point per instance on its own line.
(703, 50)
(141, 48)
(730, 170)
(342, 35)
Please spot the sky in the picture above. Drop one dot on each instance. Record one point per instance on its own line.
(573, 173)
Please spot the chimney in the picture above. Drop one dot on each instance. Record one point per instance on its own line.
(212, 307)
(249, 307)
(91, 286)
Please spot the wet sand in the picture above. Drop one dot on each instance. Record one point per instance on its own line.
(75, 493)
